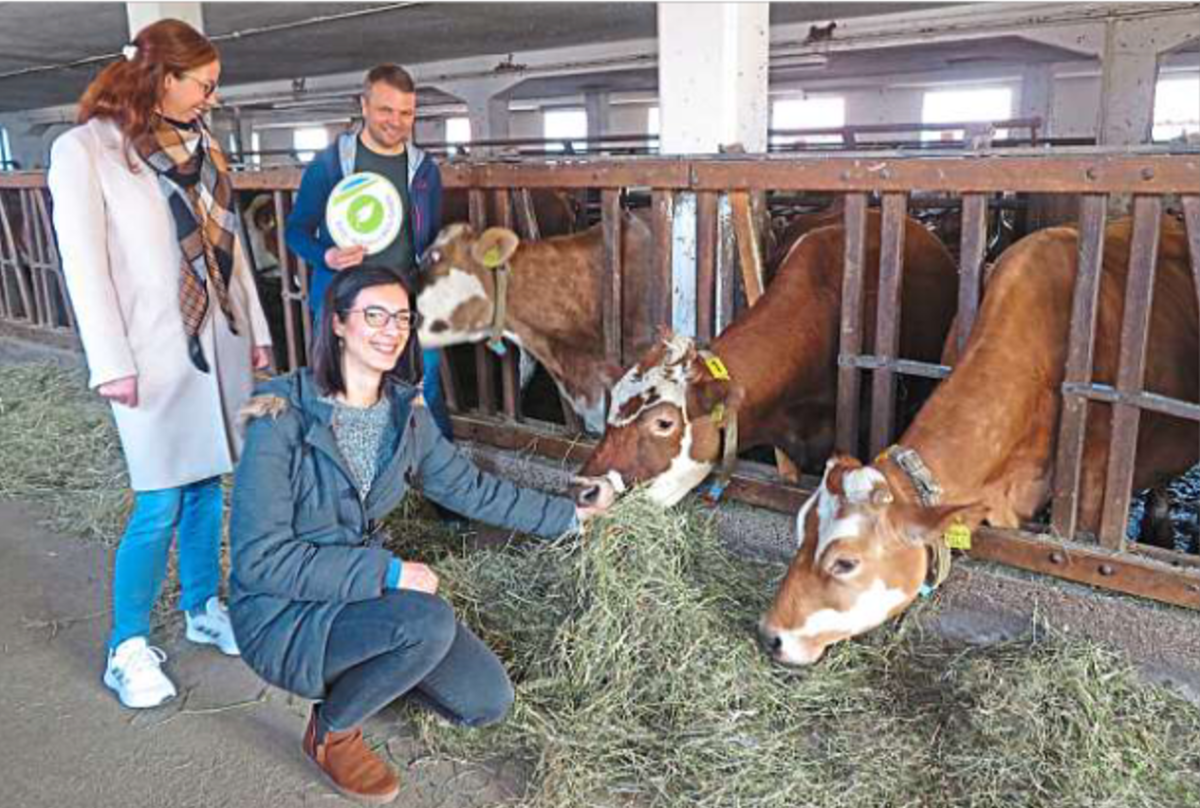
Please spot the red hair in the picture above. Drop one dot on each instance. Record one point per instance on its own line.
(127, 91)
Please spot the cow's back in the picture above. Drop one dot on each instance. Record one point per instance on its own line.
(996, 418)
(795, 328)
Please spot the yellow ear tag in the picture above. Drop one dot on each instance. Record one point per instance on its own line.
(717, 368)
(718, 414)
(491, 258)
(958, 537)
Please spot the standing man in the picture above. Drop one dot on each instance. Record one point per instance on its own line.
(383, 145)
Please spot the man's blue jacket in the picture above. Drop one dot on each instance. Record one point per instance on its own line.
(306, 233)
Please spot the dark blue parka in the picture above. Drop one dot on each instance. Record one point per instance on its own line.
(300, 532)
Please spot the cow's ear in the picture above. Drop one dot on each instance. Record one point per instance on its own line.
(917, 523)
(495, 246)
(713, 397)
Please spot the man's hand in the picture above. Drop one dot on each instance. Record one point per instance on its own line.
(339, 258)
(122, 391)
(419, 577)
(260, 357)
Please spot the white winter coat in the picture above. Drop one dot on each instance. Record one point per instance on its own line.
(121, 260)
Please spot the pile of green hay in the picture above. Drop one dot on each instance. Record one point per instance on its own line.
(59, 450)
(639, 684)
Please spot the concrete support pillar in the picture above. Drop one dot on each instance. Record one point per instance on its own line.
(1129, 72)
(1037, 96)
(487, 105)
(712, 87)
(142, 14)
(712, 76)
(597, 106)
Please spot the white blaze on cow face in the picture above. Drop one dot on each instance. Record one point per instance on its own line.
(453, 303)
(806, 644)
(438, 304)
(836, 587)
(644, 390)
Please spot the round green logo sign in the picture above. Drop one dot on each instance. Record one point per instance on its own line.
(364, 210)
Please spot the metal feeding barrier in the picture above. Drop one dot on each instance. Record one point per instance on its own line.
(729, 219)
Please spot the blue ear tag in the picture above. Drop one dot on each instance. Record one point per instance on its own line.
(713, 492)
(497, 347)
(925, 591)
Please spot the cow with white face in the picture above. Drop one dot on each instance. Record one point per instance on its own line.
(543, 295)
(666, 424)
(861, 558)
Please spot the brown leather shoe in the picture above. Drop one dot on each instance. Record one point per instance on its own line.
(349, 766)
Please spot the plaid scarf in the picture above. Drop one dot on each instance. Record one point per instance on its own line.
(200, 195)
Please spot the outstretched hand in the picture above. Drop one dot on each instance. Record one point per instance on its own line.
(414, 575)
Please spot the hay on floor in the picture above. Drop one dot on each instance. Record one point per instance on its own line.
(639, 683)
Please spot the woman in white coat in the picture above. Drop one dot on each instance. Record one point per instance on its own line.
(170, 323)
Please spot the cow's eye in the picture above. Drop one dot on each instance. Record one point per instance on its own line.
(843, 566)
(664, 425)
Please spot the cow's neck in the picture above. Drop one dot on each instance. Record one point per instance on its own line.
(760, 351)
(552, 317)
(988, 432)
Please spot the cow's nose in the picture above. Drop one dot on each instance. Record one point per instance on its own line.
(770, 640)
(586, 494)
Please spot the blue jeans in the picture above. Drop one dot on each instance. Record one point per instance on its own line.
(195, 509)
(409, 643)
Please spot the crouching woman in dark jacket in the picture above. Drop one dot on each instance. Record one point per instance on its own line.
(318, 608)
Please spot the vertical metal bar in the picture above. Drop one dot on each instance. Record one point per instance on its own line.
(749, 246)
(307, 326)
(612, 301)
(887, 330)
(706, 264)
(850, 342)
(17, 270)
(970, 262)
(39, 306)
(1093, 211)
(726, 262)
(1131, 370)
(286, 274)
(1191, 218)
(53, 260)
(662, 204)
(42, 258)
(509, 382)
(8, 260)
(527, 215)
(477, 208)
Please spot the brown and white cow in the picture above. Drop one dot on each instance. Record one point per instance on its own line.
(552, 305)
(986, 439)
(781, 358)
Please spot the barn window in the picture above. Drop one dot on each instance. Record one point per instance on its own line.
(5, 150)
(565, 124)
(974, 105)
(307, 142)
(255, 148)
(458, 130)
(822, 112)
(653, 127)
(1176, 107)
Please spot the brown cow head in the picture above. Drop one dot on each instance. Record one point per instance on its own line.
(662, 425)
(458, 284)
(861, 558)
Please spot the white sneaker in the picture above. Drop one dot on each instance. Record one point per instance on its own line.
(135, 672)
(213, 628)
